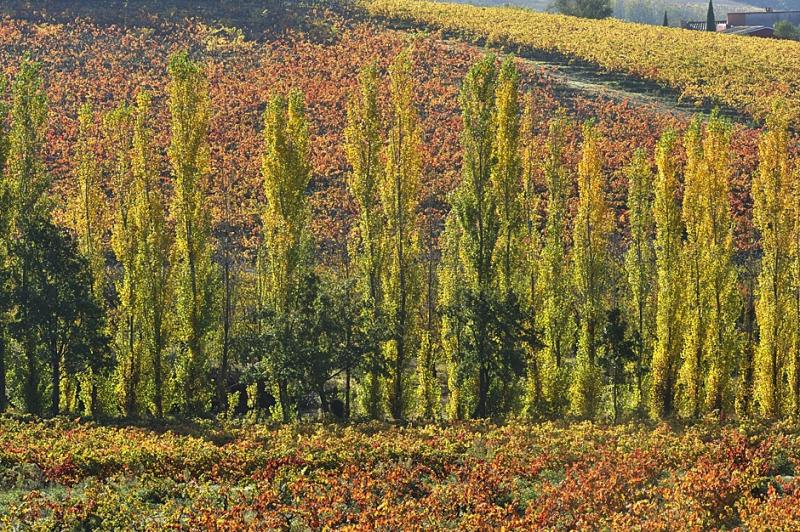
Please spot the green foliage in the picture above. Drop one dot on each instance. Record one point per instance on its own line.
(640, 267)
(195, 275)
(590, 272)
(363, 148)
(27, 184)
(286, 283)
(399, 196)
(553, 283)
(711, 20)
(595, 9)
(784, 29)
(669, 281)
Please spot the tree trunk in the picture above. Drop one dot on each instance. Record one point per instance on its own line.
(323, 399)
(347, 394)
(55, 371)
(222, 378)
(158, 378)
(283, 393)
(3, 397)
(95, 406)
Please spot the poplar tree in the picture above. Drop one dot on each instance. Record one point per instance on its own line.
(640, 266)
(669, 278)
(474, 207)
(151, 260)
(772, 216)
(710, 339)
(427, 398)
(287, 255)
(553, 282)
(794, 290)
(513, 337)
(590, 275)
(88, 218)
(534, 403)
(506, 177)
(27, 183)
(363, 147)
(450, 299)
(193, 270)
(6, 205)
(399, 193)
(124, 241)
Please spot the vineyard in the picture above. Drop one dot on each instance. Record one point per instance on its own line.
(63, 475)
(383, 264)
(86, 61)
(743, 73)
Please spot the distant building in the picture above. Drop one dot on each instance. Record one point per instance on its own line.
(766, 18)
(751, 31)
(750, 23)
(700, 25)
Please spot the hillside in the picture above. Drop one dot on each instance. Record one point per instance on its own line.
(743, 73)
(97, 59)
(394, 265)
(644, 11)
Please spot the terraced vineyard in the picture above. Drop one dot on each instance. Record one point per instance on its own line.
(740, 72)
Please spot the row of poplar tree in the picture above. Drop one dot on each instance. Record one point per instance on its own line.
(520, 307)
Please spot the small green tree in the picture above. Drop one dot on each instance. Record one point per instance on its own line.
(711, 19)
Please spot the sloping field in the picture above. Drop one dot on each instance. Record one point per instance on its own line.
(741, 72)
(102, 61)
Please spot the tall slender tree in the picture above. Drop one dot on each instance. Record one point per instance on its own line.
(534, 404)
(450, 299)
(475, 210)
(669, 275)
(640, 266)
(124, 240)
(506, 177)
(710, 338)
(363, 148)
(553, 282)
(27, 184)
(194, 273)
(6, 205)
(151, 259)
(591, 269)
(88, 218)
(288, 247)
(427, 397)
(711, 19)
(794, 306)
(772, 216)
(399, 193)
